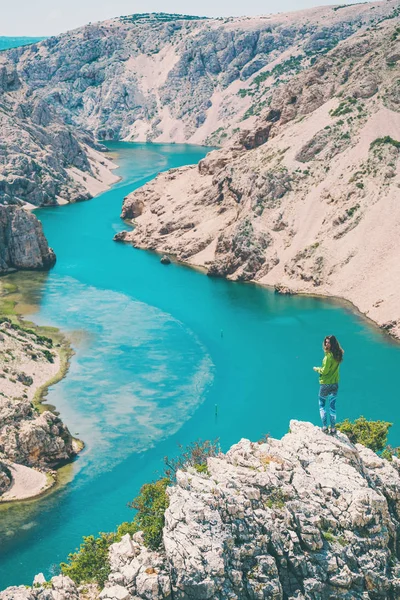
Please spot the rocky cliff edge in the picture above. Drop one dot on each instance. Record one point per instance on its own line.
(309, 516)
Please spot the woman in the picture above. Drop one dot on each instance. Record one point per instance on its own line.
(329, 381)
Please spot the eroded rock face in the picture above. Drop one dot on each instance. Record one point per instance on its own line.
(307, 517)
(31, 439)
(39, 154)
(22, 242)
(244, 249)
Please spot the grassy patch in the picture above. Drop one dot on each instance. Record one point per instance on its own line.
(344, 108)
(276, 499)
(385, 140)
(47, 337)
(329, 536)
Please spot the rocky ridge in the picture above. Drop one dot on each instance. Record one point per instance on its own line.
(306, 200)
(309, 516)
(169, 77)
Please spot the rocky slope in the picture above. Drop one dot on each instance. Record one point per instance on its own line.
(169, 77)
(307, 198)
(28, 361)
(43, 161)
(307, 517)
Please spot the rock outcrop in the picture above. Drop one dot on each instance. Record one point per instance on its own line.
(31, 439)
(307, 517)
(22, 242)
(307, 200)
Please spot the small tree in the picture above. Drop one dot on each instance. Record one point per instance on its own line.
(151, 505)
(372, 434)
(90, 563)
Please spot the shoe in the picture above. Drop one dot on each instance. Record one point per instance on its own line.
(332, 431)
(324, 430)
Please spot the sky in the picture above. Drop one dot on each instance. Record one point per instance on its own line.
(50, 17)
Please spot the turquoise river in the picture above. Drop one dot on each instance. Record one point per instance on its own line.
(165, 356)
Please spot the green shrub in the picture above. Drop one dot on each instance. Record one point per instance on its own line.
(328, 536)
(126, 527)
(344, 107)
(350, 211)
(202, 469)
(372, 434)
(48, 355)
(385, 140)
(151, 505)
(90, 563)
(389, 452)
(276, 499)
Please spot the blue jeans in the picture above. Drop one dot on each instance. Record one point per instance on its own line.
(328, 392)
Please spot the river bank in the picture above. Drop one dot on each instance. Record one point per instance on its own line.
(33, 440)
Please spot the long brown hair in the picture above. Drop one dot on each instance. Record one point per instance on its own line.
(336, 349)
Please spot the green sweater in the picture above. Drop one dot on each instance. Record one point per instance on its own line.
(329, 372)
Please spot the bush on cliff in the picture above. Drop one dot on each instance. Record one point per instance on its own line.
(90, 563)
(151, 505)
(372, 434)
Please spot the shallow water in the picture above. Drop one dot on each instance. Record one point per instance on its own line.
(166, 355)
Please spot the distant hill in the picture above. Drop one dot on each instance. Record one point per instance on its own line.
(14, 42)
(160, 16)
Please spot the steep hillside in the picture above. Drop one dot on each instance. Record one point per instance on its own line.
(174, 78)
(308, 198)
